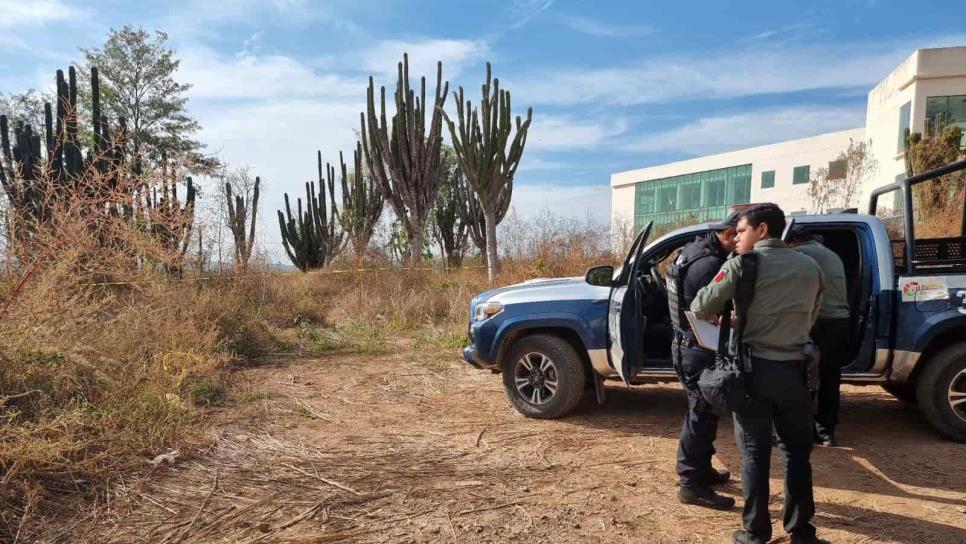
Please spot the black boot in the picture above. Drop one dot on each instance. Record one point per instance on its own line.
(705, 496)
(826, 439)
(718, 477)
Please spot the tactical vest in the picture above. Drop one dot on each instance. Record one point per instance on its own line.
(675, 281)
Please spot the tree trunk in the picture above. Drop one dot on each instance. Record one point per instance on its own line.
(416, 246)
(358, 248)
(492, 263)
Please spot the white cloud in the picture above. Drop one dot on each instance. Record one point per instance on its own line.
(748, 129)
(750, 71)
(524, 10)
(548, 132)
(423, 55)
(536, 164)
(252, 76)
(586, 25)
(573, 201)
(17, 13)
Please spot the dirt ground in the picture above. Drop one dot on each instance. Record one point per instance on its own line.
(419, 447)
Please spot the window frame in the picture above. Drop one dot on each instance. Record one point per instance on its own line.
(771, 182)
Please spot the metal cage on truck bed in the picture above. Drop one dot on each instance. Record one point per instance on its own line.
(928, 254)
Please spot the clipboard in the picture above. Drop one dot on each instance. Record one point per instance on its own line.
(704, 332)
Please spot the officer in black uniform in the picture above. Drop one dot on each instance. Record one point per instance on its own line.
(695, 266)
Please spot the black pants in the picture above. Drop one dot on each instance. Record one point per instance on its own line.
(696, 445)
(782, 402)
(832, 338)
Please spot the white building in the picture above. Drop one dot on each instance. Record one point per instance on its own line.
(928, 84)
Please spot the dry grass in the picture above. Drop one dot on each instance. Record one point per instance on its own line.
(96, 376)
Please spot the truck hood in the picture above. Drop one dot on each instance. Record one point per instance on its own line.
(545, 290)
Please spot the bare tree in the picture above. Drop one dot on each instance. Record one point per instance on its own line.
(838, 185)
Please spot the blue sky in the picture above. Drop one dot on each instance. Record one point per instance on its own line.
(614, 85)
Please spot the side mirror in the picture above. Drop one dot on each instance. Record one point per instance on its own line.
(600, 275)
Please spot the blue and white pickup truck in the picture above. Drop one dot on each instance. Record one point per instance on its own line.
(555, 340)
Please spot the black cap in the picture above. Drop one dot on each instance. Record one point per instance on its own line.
(729, 222)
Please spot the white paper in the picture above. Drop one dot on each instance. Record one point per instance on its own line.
(706, 333)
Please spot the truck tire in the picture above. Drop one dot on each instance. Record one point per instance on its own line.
(941, 392)
(544, 377)
(905, 392)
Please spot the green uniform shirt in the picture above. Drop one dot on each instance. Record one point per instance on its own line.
(835, 303)
(788, 294)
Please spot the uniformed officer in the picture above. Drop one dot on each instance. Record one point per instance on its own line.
(784, 306)
(693, 268)
(830, 333)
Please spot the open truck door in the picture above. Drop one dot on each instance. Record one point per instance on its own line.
(624, 317)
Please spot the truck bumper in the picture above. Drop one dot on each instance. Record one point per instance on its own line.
(473, 359)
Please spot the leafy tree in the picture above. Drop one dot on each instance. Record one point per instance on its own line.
(839, 186)
(27, 108)
(137, 84)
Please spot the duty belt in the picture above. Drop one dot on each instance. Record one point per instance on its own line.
(686, 339)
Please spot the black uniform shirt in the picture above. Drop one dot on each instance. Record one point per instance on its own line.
(702, 270)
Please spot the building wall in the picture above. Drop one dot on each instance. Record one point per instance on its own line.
(782, 158)
(925, 73)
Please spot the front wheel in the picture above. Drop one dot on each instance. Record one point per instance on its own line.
(543, 376)
(941, 392)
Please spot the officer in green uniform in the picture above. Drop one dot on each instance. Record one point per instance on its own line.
(830, 333)
(787, 296)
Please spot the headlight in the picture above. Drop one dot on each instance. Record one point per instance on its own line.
(486, 310)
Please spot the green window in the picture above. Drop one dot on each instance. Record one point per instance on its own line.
(905, 114)
(695, 197)
(768, 179)
(801, 174)
(949, 110)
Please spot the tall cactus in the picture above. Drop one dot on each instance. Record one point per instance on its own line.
(362, 204)
(404, 159)
(449, 229)
(310, 238)
(481, 149)
(40, 178)
(36, 182)
(242, 216)
(471, 214)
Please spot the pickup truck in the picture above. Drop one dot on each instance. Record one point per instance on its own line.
(557, 340)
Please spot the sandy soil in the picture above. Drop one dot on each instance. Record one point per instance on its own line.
(418, 447)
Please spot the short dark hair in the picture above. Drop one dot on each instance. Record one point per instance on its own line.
(769, 214)
(798, 234)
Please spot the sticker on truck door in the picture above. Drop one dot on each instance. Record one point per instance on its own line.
(923, 289)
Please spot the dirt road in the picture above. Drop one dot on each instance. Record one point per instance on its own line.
(418, 447)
